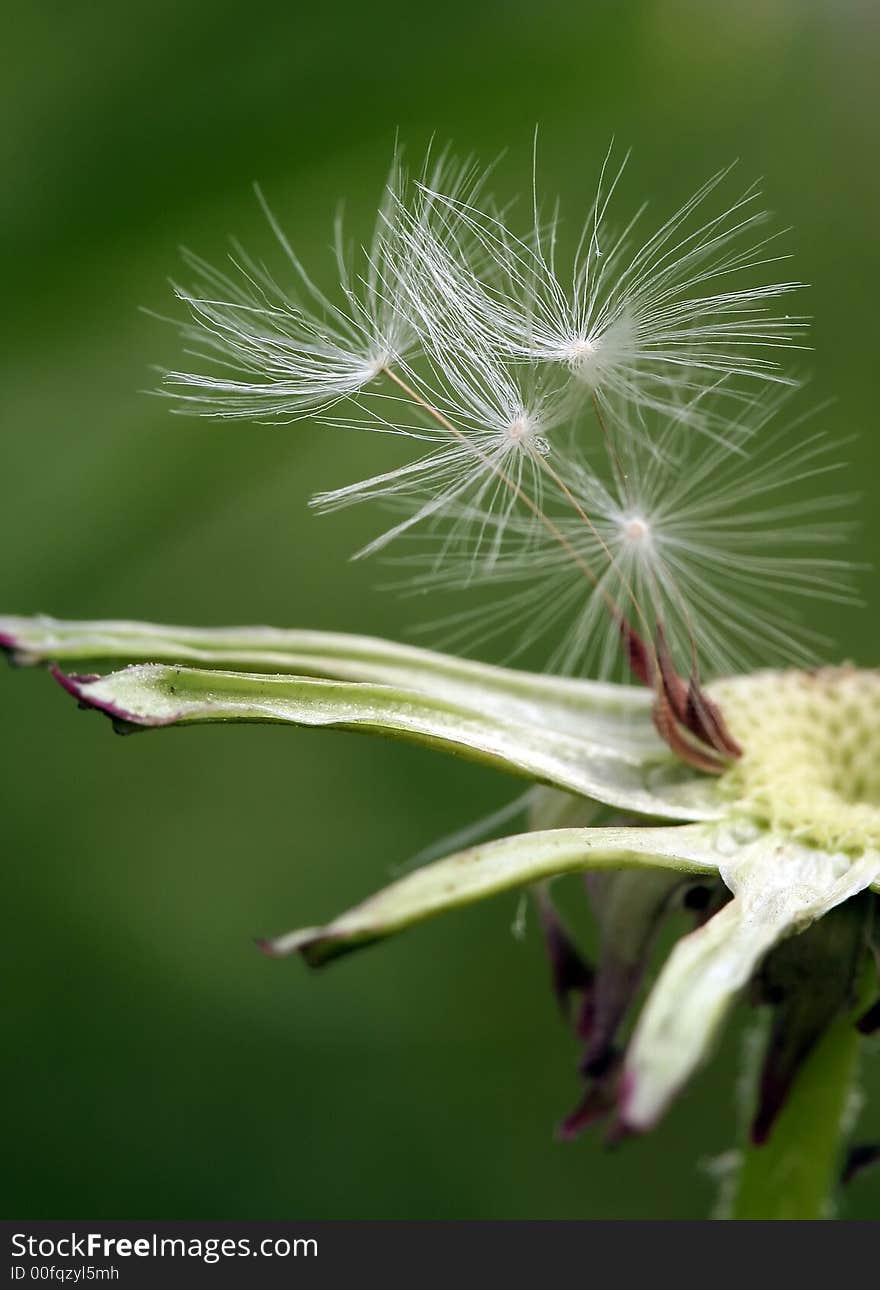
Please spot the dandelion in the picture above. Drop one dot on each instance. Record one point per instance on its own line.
(718, 543)
(284, 350)
(490, 434)
(625, 318)
(483, 357)
(595, 455)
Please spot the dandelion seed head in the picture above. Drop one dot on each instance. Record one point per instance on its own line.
(625, 316)
(591, 436)
(718, 544)
(274, 345)
(485, 432)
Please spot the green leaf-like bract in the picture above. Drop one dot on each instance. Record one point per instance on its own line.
(495, 867)
(630, 770)
(588, 739)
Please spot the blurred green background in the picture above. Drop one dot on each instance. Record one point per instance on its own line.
(155, 1064)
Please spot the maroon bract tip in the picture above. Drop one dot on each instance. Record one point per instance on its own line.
(592, 1109)
(570, 973)
(124, 722)
(704, 719)
(8, 643)
(638, 655)
(673, 686)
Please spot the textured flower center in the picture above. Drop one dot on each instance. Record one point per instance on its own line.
(811, 752)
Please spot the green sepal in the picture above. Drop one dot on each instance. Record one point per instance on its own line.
(495, 867)
(780, 887)
(618, 773)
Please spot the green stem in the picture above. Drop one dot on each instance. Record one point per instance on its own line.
(795, 1174)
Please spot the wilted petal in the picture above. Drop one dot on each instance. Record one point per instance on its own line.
(570, 972)
(596, 1105)
(630, 908)
(780, 887)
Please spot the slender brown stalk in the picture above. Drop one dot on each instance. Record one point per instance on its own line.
(614, 457)
(517, 490)
(684, 717)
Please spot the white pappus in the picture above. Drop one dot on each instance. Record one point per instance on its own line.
(593, 443)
